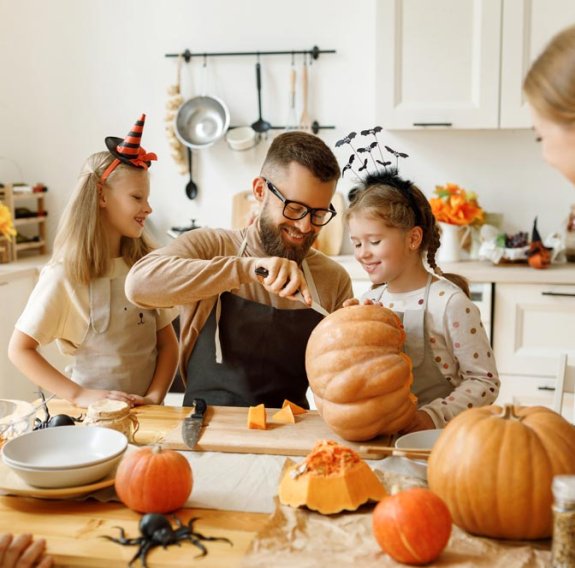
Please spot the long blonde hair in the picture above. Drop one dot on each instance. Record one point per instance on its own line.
(81, 243)
(402, 205)
(550, 82)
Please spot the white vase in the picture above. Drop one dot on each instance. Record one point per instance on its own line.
(450, 247)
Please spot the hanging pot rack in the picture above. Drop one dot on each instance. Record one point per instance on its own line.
(314, 53)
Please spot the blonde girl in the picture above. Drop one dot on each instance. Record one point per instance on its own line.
(118, 351)
(392, 230)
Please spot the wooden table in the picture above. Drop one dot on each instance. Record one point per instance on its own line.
(73, 528)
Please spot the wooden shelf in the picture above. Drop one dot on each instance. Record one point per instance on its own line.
(29, 220)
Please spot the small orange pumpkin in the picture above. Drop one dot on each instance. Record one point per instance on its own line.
(360, 377)
(494, 467)
(152, 480)
(332, 478)
(412, 526)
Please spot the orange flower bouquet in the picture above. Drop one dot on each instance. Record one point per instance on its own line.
(456, 206)
(6, 225)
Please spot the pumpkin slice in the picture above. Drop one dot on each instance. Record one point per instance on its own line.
(294, 407)
(257, 417)
(331, 479)
(284, 416)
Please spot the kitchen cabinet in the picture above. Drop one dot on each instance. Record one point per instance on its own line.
(534, 324)
(460, 63)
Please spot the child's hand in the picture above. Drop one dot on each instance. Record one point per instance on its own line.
(88, 396)
(141, 400)
(356, 302)
(421, 421)
(22, 552)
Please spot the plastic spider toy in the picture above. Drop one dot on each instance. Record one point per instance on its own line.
(51, 421)
(157, 530)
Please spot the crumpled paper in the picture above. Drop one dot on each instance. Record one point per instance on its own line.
(306, 539)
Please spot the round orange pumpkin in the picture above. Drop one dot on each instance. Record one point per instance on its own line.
(494, 466)
(152, 480)
(360, 378)
(412, 526)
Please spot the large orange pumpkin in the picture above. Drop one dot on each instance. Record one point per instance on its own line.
(493, 467)
(412, 526)
(360, 378)
(152, 480)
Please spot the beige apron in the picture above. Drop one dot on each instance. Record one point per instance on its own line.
(428, 380)
(120, 348)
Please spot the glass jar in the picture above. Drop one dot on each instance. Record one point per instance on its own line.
(563, 546)
(114, 414)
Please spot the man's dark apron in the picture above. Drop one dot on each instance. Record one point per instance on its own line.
(263, 353)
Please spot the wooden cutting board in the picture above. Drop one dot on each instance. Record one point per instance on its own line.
(226, 431)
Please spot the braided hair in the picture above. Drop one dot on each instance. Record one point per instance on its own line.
(402, 205)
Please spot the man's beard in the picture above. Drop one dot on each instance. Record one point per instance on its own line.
(274, 245)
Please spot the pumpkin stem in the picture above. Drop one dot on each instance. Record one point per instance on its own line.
(156, 449)
(508, 413)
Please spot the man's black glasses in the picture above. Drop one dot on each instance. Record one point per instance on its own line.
(294, 210)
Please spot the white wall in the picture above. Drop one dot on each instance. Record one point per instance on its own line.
(75, 71)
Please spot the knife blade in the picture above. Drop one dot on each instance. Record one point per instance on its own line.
(192, 425)
(261, 271)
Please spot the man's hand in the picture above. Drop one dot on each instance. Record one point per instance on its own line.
(284, 278)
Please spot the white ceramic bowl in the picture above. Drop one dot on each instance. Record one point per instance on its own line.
(64, 448)
(16, 418)
(422, 440)
(241, 138)
(70, 477)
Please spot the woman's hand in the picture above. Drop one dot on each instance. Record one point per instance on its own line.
(421, 421)
(23, 551)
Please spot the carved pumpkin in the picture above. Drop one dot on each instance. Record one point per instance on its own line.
(493, 467)
(331, 479)
(151, 480)
(413, 526)
(360, 378)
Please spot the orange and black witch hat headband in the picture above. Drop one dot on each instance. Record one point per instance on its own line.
(128, 150)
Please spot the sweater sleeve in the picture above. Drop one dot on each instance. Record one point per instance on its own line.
(197, 265)
(475, 379)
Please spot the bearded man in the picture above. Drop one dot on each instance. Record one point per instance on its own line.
(243, 335)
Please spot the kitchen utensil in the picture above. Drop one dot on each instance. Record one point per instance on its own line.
(241, 138)
(261, 126)
(291, 122)
(192, 425)
(393, 451)
(201, 121)
(260, 271)
(16, 418)
(305, 119)
(191, 186)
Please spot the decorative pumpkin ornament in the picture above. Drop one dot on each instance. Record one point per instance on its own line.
(331, 479)
(360, 378)
(412, 526)
(494, 466)
(152, 480)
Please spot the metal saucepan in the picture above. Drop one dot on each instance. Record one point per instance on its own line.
(201, 121)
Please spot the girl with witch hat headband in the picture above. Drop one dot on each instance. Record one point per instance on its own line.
(392, 230)
(118, 351)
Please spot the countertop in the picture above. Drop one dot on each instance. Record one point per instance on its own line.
(485, 271)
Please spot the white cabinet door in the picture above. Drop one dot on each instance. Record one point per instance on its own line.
(14, 294)
(527, 27)
(532, 326)
(438, 63)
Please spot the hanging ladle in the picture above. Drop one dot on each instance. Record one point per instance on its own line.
(261, 126)
(191, 186)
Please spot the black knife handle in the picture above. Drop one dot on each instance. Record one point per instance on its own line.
(261, 271)
(200, 407)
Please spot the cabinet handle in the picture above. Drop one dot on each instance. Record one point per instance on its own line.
(432, 124)
(566, 294)
(546, 388)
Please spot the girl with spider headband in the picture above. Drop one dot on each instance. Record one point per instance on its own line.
(392, 227)
(117, 351)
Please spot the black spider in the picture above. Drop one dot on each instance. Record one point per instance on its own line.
(50, 421)
(157, 530)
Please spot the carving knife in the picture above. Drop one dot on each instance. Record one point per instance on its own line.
(260, 271)
(192, 425)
